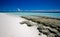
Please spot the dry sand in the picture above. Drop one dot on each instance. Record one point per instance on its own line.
(10, 27)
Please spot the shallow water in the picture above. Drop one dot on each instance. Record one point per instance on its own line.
(56, 15)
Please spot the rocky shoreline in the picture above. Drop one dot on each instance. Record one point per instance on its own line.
(45, 25)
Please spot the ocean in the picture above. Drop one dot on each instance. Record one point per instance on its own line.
(48, 14)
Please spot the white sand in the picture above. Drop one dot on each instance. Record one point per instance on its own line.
(10, 27)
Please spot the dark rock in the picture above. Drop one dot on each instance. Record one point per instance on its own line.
(39, 34)
(53, 30)
(51, 35)
(58, 29)
(43, 30)
(57, 35)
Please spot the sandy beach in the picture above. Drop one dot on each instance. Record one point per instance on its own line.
(10, 27)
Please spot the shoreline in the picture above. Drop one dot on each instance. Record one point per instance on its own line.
(10, 27)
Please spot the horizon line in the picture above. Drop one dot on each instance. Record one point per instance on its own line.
(33, 10)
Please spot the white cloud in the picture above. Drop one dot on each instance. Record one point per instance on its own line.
(19, 9)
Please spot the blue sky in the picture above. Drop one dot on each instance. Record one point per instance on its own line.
(29, 4)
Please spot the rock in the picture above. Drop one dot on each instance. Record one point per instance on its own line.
(29, 23)
(58, 34)
(43, 30)
(53, 30)
(51, 35)
(48, 26)
(58, 29)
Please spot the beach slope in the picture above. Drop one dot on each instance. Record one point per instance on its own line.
(10, 27)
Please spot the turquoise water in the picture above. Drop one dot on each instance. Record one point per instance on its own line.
(56, 15)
